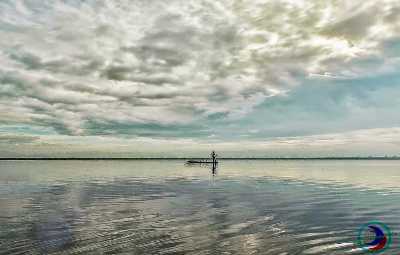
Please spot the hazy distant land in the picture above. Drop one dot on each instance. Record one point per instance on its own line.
(188, 158)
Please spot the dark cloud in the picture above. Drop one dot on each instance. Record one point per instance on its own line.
(147, 130)
(354, 27)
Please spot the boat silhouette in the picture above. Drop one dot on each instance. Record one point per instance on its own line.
(213, 160)
(200, 162)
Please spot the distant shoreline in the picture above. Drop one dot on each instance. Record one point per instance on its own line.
(271, 158)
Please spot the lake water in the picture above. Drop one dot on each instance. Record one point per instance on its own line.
(165, 207)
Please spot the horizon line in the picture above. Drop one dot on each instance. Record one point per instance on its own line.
(201, 158)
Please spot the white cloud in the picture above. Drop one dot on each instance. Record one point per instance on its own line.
(64, 63)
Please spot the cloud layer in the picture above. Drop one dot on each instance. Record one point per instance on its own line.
(372, 142)
(65, 64)
(226, 69)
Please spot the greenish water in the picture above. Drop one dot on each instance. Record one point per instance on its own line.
(165, 207)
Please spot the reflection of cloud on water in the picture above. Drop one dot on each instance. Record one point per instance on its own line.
(52, 233)
(369, 174)
(54, 211)
(188, 215)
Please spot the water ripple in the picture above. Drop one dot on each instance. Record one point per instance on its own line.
(194, 214)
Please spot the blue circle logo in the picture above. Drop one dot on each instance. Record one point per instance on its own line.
(374, 237)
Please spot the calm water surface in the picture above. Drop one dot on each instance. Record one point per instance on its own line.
(165, 207)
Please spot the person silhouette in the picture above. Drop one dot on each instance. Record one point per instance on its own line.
(213, 157)
(214, 161)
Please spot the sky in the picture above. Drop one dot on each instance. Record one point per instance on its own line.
(155, 78)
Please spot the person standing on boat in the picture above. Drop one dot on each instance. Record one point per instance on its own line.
(214, 157)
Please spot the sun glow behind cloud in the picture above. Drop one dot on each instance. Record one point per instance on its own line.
(183, 69)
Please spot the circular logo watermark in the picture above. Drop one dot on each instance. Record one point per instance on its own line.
(374, 237)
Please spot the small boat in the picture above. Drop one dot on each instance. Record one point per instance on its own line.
(200, 162)
(213, 160)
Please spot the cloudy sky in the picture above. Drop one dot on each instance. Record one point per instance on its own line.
(180, 77)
